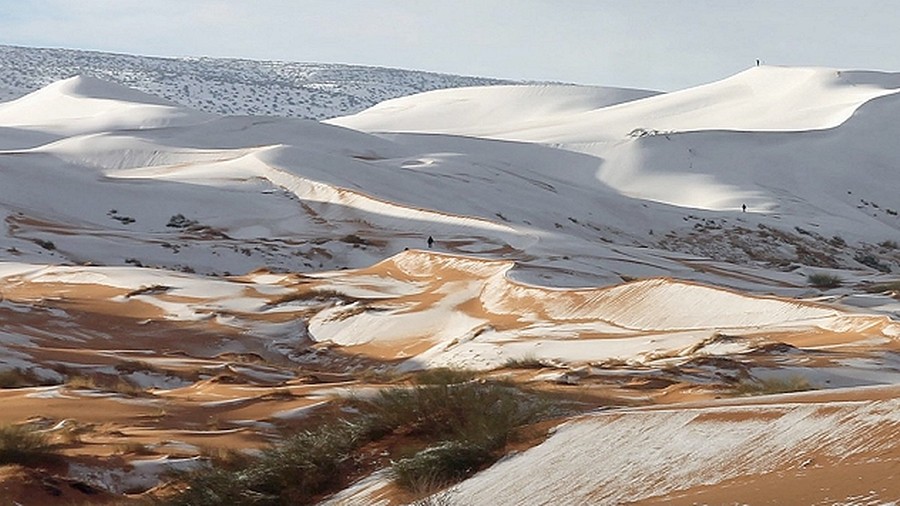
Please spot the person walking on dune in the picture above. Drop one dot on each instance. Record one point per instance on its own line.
(430, 242)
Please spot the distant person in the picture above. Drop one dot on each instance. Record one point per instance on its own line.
(757, 62)
(430, 242)
(744, 208)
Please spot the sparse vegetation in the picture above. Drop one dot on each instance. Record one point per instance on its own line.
(104, 383)
(768, 386)
(891, 286)
(148, 290)
(22, 445)
(824, 281)
(293, 472)
(870, 260)
(433, 468)
(471, 422)
(461, 424)
(16, 378)
(47, 245)
(134, 448)
(837, 241)
(526, 362)
(443, 376)
(354, 239)
(180, 221)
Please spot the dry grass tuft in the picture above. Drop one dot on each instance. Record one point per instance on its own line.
(20, 444)
(769, 386)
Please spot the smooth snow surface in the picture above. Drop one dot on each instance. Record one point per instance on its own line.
(85, 104)
(717, 146)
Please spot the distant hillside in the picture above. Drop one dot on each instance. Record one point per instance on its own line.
(227, 86)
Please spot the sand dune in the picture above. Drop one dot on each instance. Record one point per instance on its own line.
(789, 449)
(175, 283)
(469, 313)
(766, 98)
(84, 104)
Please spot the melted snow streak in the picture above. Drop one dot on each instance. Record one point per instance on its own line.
(227, 86)
(623, 457)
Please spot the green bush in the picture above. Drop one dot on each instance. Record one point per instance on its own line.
(443, 376)
(22, 445)
(823, 281)
(295, 471)
(441, 465)
(467, 411)
(471, 421)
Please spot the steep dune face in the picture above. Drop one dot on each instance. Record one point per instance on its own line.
(722, 170)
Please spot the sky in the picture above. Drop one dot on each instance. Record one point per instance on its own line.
(652, 44)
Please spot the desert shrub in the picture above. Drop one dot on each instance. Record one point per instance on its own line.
(767, 386)
(15, 378)
(465, 411)
(104, 383)
(134, 447)
(471, 422)
(305, 464)
(890, 286)
(526, 362)
(837, 241)
(22, 445)
(179, 221)
(293, 472)
(870, 260)
(888, 244)
(47, 245)
(815, 257)
(440, 465)
(353, 239)
(213, 487)
(823, 281)
(443, 376)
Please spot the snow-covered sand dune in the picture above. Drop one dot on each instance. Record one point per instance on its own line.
(125, 165)
(767, 137)
(797, 449)
(88, 105)
(135, 230)
(442, 310)
(766, 98)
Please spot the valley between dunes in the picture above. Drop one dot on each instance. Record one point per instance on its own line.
(179, 288)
